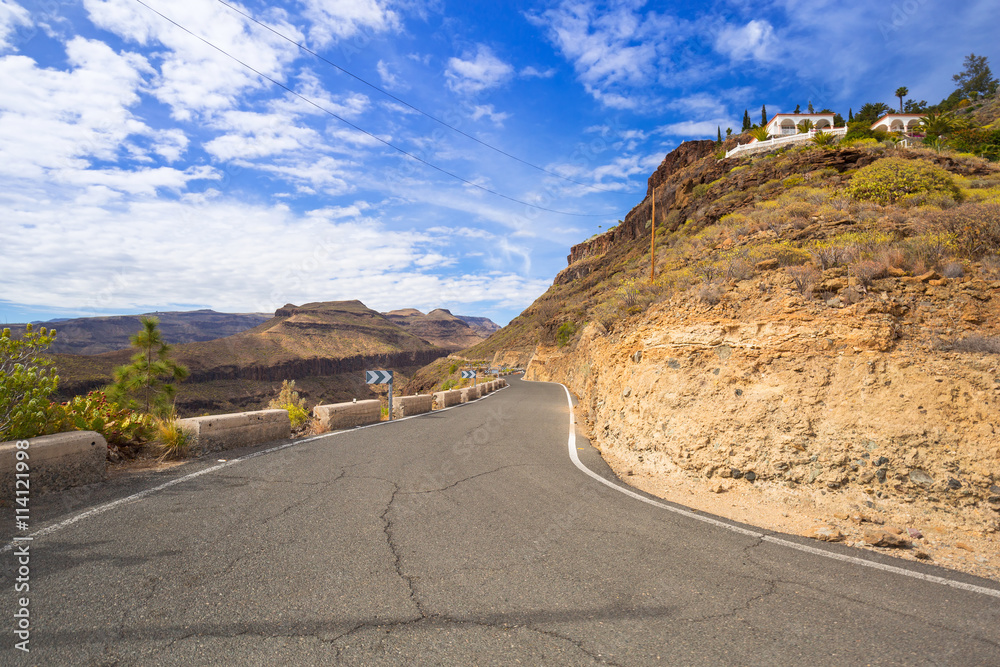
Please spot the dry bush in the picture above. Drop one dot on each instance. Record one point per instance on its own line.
(828, 256)
(841, 203)
(977, 343)
(710, 294)
(991, 265)
(804, 276)
(974, 227)
(953, 270)
(891, 256)
(868, 271)
(799, 210)
(927, 251)
(737, 265)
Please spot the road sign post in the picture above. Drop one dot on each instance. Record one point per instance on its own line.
(381, 377)
(470, 374)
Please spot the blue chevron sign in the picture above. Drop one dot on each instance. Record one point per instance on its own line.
(378, 377)
(468, 374)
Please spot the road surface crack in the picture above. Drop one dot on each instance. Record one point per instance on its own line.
(397, 558)
(470, 477)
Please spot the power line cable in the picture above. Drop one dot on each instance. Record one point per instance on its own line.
(385, 92)
(362, 130)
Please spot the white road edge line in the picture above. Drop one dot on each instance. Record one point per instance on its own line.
(766, 538)
(101, 509)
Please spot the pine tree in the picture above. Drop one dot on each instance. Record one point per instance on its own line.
(718, 138)
(811, 107)
(976, 77)
(150, 374)
(763, 115)
(850, 115)
(746, 120)
(798, 108)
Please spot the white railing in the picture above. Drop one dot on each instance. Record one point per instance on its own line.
(774, 142)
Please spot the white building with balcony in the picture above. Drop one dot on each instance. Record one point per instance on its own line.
(783, 124)
(898, 122)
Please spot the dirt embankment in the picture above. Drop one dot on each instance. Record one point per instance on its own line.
(844, 423)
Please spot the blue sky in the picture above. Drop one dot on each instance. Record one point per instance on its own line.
(143, 169)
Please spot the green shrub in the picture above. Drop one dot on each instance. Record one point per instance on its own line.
(700, 189)
(288, 399)
(889, 179)
(793, 180)
(452, 369)
(565, 333)
(26, 381)
(120, 426)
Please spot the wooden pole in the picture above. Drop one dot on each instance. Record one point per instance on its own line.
(652, 242)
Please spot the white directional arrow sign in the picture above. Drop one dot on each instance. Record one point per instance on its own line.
(378, 377)
(468, 374)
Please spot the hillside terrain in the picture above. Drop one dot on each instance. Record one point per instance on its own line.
(324, 346)
(438, 327)
(819, 351)
(483, 326)
(94, 335)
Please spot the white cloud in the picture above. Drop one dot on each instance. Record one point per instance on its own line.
(530, 72)
(52, 119)
(755, 40)
(487, 111)
(252, 135)
(334, 20)
(12, 17)
(473, 74)
(193, 76)
(614, 51)
(155, 252)
(389, 80)
(703, 129)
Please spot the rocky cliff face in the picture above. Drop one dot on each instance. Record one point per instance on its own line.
(816, 406)
(95, 335)
(786, 393)
(438, 327)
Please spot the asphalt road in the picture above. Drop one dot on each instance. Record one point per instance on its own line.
(461, 537)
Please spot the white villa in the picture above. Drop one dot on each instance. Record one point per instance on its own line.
(898, 122)
(783, 124)
(786, 128)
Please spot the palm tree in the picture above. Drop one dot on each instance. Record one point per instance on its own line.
(805, 126)
(759, 133)
(902, 92)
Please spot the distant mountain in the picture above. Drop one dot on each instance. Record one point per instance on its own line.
(438, 327)
(483, 326)
(96, 335)
(324, 347)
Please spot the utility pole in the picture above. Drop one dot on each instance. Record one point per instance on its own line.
(652, 242)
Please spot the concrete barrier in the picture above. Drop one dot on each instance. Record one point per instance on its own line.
(54, 462)
(446, 399)
(348, 415)
(468, 394)
(406, 406)
(239, 429)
